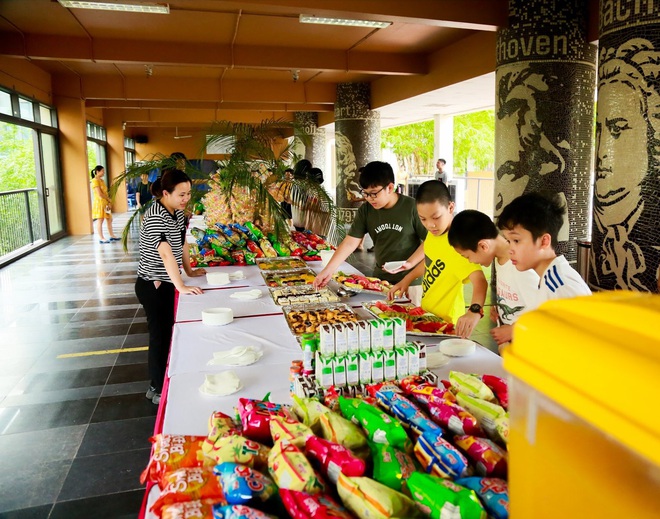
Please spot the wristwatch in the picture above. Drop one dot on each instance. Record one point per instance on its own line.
(477, 309)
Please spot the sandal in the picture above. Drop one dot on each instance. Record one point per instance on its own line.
(115, 239)
(104, 241)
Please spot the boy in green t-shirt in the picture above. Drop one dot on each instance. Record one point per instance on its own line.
(390, 219)
(444, 270)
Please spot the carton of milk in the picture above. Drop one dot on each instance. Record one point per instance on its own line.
(352, 369)
(365, 361)
(388, 334)
(326, 340)
(377, 366)
(341, 340)
(389, 365)
(399, 331)
(422, 355)
(339, 371)
(324, 371)
(364, 335)
(377, 338)
(352, 337)
(402, 369)
(413, 358)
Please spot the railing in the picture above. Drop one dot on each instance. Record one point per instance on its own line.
(20, 224)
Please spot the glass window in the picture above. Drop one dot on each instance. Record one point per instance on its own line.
(27, 109)
(44, 114)
(5, 103)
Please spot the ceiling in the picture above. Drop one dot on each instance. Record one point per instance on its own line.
(214, 59)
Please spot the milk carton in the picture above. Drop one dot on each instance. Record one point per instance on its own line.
(399, 331)
(341, 344)
(326, 340)
(422, 355)
(352, 369)
(339, 371)
(388, 334)
(377, 367)
(364, 335)
(389, 365)
(402, 370)
(365, 361)
(352, 337)
(413, 358)
(324, 371)
(377, 338)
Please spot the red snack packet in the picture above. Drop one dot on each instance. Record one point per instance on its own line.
(334, 458)
(372, 389)
(188, 484)
(454, 418)
(498, 386)
(172, 452)
(409, 383)
(428, 395)
(319, 506)
(489, 458)
(255, 418)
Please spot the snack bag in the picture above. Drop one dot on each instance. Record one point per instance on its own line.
(309, 411)
(409, 414)
(198, 509)
(289, 429)
(219, 425)
(440, 458)
(337, 429)
(172, 452)
(428, 395)
(368, 499)
(238, 512)
(290, 469)
(238, 449)
(242, 484)
(334, 458)
(319, 506)
(391, 466)
(485, 412)
(188, 484)
(500, 387)
(439, 498)
(454, 418)
(502, 428)
(380, 427)
(489, 458)
(255, 417)
(493, 492)
(470, 385)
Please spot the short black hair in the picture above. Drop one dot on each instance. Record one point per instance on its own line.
(442, 160)
(538, 213)
(433, 191)
(316, 175)
(376, 174)
(469, 227)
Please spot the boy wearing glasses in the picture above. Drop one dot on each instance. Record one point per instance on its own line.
(390, 219)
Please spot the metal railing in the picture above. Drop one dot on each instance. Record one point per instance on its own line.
(20, 223)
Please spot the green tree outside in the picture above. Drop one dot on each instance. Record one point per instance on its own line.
(413, 146)
(16, 157)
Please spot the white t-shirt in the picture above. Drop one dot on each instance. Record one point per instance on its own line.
(561, 281)
(517, 292)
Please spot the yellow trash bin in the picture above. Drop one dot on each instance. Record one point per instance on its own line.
(584, 393)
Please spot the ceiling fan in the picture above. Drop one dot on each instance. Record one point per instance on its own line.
(177, 136)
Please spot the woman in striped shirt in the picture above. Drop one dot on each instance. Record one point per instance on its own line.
(162, 251)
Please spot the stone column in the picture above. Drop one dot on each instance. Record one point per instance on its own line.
(626, 216)
(357, 142)
(314, 139)
(116, 160)
(544, 107)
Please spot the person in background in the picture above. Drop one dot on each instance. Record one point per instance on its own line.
(444, 270)
(441, 174)
(475, 237)
(298, 200)
(531, 224)
(285, 193)
(143, 192)
(163, 251)
(101, 205)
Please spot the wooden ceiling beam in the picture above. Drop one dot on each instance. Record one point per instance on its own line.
(195, 118)
(207, 105)
(72, 48)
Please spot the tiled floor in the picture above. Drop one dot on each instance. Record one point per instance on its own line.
(74, 430)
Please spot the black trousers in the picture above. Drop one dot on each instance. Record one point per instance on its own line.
(158, 304)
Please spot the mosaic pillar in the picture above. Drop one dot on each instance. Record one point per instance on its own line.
(314, 139)
(357, 142)
(544, 109)
(626, 217)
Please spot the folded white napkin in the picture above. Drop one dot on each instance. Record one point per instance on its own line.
(247, 295)
(221, 384)
(237, 356)
(236, 275)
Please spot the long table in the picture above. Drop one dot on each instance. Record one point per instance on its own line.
(185, 410)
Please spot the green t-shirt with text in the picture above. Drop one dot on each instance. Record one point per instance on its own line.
(396, 232)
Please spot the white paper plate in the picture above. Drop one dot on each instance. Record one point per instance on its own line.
(392, 265)
(457, 347)
(217, 316)
(217, 278)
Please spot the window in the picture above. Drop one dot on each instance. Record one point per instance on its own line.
(26, 108)
(5, 103)
(45, 115)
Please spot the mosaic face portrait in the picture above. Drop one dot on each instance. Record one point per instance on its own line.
(524, 93)
(627, 168)
(348, 187)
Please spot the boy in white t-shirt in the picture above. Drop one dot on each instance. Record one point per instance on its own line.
(531, 224)
(475, 237)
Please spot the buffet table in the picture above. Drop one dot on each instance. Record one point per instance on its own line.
(260, 323)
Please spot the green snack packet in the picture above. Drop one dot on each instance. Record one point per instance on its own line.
(309, 411)
(439, 498)
(379, 426)
(391, 466)
(368, 499)
(337, 429)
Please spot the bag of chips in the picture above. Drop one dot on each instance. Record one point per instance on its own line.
(489, 458)
(493, 492)
(242, 484)
(454, 418)
(238, 449)
(470, 385)
(500, 387)
(255, 417)
(290, 469)
(334, 458)
(485, 412)
(309, 411)
(410, 415)
(337, 429)
(300, 505)
(440, 458)
(391, 466)
(198, 509)
(171, 452)
(428, 395)
(440, 498)
(188, 484)
(239, 512)
(289, 429)
(502, 428)
(368, 499)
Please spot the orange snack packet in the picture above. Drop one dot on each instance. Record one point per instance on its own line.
(188, 484)
(171, 452)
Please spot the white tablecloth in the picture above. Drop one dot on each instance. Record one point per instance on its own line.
(252, 277)
(194, 343)
(190, 306)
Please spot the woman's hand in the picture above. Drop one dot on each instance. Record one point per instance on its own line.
(197, 273)
(195, 291)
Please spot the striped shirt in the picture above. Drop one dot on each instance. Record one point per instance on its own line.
(159, 226)
(560, 281)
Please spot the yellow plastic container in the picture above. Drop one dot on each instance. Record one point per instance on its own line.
(584, 393)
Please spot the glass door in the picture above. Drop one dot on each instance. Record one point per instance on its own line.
(52, 186)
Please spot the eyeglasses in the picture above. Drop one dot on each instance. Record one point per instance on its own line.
(373, 195)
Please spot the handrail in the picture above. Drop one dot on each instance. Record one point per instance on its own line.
(26, 190)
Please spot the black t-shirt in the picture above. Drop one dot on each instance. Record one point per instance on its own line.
(145, 192)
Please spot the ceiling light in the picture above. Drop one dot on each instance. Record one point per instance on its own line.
(131, 7)
(307, 18)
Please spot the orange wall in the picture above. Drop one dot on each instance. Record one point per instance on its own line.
(22, 76)
(161, 140)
